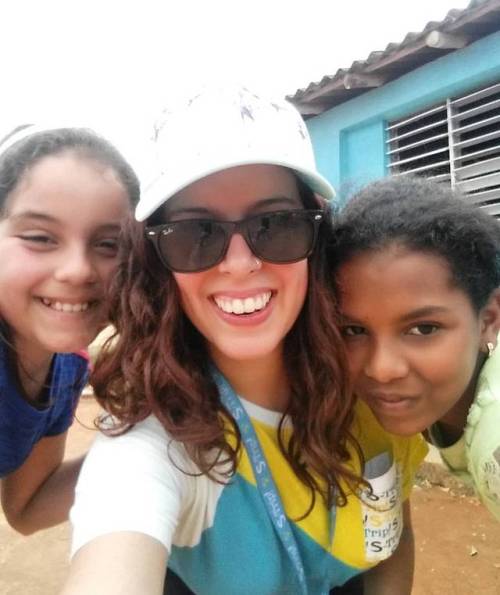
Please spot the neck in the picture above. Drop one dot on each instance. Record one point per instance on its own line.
(32, 370)
(262, 381)
(453, 423)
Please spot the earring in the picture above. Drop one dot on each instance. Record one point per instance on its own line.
(490, 347)
(258, 263)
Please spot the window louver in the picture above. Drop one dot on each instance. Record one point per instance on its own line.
(456, 142)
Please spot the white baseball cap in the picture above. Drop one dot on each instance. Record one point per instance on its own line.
(224, 127)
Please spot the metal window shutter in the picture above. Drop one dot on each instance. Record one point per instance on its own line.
(456, 142)
(475, 132)
(418, 144)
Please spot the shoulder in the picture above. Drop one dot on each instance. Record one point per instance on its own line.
(70, 373)
(482, 439)
(482, 446)
(488, 386)
(70, 370)
(131, 482)
(481, 432)
(146, 442)
(76, 362)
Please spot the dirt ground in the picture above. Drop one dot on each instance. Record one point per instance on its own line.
(457, 540)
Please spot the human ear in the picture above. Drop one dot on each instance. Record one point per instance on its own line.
(490, 321)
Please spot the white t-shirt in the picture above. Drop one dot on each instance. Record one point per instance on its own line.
(142, 489)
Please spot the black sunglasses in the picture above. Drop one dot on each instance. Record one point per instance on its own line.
(193, 245)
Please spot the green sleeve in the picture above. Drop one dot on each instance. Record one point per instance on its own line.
(483, 452)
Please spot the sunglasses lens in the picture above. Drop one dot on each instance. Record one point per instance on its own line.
(197, 244)
(282, 237)
(192, 245)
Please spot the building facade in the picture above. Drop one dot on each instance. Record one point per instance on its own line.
(428, 106)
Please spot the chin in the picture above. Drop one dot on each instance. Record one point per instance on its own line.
(404, 428)
(245, 351)
(70, 345)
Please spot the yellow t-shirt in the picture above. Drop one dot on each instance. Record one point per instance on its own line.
(366, 530)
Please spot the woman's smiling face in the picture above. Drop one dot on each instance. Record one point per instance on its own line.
(413, 336)
(244, 307)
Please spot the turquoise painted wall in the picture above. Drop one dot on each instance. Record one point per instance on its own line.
(349, 139)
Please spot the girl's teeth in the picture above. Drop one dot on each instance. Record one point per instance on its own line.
(249, 305)
(238, 306)
(62, 307)
(243, 306)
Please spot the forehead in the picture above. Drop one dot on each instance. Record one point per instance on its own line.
(234, 191)
(396, 278)
(68, 184)
(61, 172)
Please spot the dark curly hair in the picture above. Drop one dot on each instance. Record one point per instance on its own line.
(426, 216)
(17, 159)
(158, 363)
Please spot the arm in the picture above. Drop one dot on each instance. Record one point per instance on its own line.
(40, 493)
(124, 563)
(394, 576)
(128, 503)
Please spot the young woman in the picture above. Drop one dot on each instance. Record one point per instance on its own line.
(64, 194)
(418, 275)
(240, 455)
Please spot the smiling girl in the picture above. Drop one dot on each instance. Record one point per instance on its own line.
(64, 194)
(240, 459)
(418, 274)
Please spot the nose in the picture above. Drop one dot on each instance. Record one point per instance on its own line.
(76, 267)
(239, 259)
(385, 362)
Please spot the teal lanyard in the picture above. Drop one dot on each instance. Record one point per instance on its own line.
(265, 482)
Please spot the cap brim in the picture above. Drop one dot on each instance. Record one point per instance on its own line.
(163, 188)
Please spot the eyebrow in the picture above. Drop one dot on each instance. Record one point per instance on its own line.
(38, 216)
(266, 202)
(34, 215)
(425, 311)
(188, 211)
(417, 313)
(276, 199)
